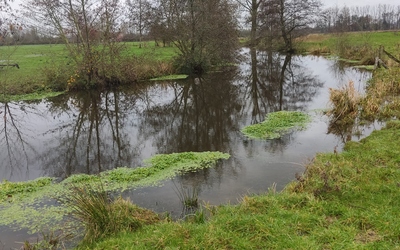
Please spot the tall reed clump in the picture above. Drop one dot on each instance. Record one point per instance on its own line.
(100, 215)
(345, 104)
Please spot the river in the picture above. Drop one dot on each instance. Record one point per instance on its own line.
(90, 132)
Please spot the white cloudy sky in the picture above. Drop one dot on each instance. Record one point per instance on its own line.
(340, 3)
(327, 3)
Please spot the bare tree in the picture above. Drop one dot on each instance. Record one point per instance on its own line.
(139, 14)
(205, 32)
(88, 28)
(8, 23)
(252, 7)
(287, 18)
(360, 18)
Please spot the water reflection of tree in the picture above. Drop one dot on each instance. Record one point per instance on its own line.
(13, 140)
(200, 116)
(272, 83)
(96, 139)
(340, 69)
(275, 82)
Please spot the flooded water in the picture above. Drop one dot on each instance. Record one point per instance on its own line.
(90, 132)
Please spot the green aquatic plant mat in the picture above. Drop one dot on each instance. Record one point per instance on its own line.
(277, 124)
(169, 77)
(32, 205)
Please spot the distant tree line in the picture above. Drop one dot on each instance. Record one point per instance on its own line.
(365, 18)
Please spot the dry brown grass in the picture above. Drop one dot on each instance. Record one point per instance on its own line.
(319, 50)
(381, 101)
(383, 93)
(315, 38)
(345, 104)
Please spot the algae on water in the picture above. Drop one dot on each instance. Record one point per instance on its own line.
(277, 124)
(33, 205)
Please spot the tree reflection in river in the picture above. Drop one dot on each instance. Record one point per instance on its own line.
(13, 139)
(95, 138)
(275, 82)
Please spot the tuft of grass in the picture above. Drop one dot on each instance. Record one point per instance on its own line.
(382, 100)
(50, 241)
(276, 124)
(91, 206)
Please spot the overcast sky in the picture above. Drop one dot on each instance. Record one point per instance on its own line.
(341, 3)
(327, 3)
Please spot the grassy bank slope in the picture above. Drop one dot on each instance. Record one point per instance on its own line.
(38, 63)
(345, 201)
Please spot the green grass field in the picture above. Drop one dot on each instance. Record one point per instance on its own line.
(33, 60)
(329, 42)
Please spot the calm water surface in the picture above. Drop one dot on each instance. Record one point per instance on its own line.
(96, 131)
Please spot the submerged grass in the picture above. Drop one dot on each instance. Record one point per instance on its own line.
(343, 201)
(276, 124)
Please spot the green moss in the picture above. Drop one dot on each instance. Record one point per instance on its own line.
(29, 97)
(170, 77)
(276, 124)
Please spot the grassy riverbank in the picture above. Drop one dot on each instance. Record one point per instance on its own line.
(358, 47)
(47, 68)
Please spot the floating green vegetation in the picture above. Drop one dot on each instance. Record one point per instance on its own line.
(29, 97)
(367, 67)
(9, 189)
(170, 77)
(276, 124)
(158, 168)
(349, 60)
(32, 205)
